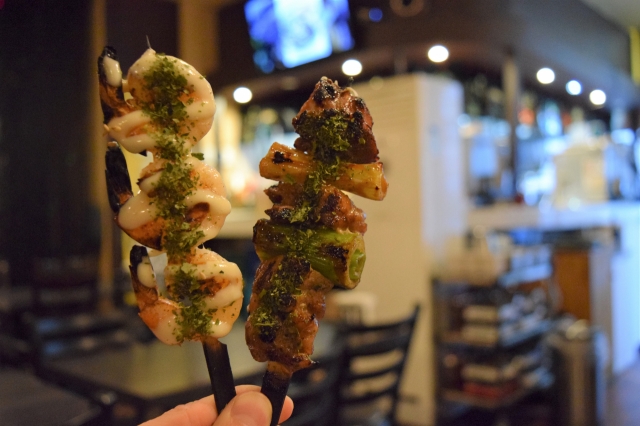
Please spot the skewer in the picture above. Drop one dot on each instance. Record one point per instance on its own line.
(158, 231)
(222, 385)
(275, 384)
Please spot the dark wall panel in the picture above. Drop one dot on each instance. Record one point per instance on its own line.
(45, 74)
(130, 22)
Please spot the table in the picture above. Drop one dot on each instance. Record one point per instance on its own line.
(25, 400)
(14, 302)
(157, 376)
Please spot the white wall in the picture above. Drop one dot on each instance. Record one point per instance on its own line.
(416, 130)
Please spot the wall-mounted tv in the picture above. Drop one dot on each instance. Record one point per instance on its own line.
(288, 33)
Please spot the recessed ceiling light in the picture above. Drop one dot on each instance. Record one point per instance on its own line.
(376, 82)
(289, 83)
(352, 67)
(438, 53)
(375, 14)
(597, 97)
(242, 95)
(574, 87)
(546, 75)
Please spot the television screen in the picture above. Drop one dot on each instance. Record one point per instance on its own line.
(288, 33)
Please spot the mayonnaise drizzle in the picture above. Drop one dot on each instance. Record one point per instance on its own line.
(145, 273)
(219, 205)
(131, 130)
(137, 211)
(225, 296)
(112, 71)
(217, 267)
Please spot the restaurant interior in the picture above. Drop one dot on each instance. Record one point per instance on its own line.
(502, 277)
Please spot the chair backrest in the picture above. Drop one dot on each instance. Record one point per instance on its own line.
(314, 390)
(58, 337)
(374, 361)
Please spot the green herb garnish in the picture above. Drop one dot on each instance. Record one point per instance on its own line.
(169, 97)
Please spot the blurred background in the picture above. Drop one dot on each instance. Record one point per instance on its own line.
(510, 136)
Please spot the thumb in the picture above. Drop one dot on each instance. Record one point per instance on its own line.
(246, 409)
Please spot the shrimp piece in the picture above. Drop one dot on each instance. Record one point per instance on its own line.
(220, 282)
(125, 120)
(137, 215)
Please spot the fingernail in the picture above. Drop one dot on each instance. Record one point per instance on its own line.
(251, 409)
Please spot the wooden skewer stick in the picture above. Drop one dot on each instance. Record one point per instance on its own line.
(275, 384)
(219, 367)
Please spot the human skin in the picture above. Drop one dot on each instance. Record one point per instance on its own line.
(248, 408)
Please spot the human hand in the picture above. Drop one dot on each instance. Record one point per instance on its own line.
(248, 408)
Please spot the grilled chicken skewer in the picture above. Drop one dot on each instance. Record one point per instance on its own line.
(165, 107)
(313, 239)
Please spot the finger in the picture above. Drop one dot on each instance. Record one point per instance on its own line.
(247, 409)
(287, 407)
(197, 413)
(287, 410)
(203, 411)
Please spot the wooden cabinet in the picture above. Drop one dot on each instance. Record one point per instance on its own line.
(578, 271)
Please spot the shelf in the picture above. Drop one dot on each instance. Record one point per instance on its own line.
(526, 274)
(512, 216)
(514, 277)
(509, 342)
(459, 397)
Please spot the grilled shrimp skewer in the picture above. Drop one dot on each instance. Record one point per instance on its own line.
(164, 107)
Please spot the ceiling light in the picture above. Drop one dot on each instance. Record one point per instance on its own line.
(242, 95)
(546, 75)
(438, 53)
(375, 14)
(598, 97)
(289, 83)
(352, 67)
(574, 87)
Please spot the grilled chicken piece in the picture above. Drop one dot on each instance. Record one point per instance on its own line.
(287, 300)
(286, 164)
(333, 209)
(335, 121)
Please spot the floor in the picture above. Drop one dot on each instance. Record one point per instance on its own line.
(623, 399)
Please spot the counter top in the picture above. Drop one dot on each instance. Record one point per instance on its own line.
(510, 216)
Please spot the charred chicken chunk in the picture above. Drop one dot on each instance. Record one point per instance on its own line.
(287, 302)
(332, 209)
(334, 121)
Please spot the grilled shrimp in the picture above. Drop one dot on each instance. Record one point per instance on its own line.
(137, 214)
(220, 284)
(164, 107)
(122, 101)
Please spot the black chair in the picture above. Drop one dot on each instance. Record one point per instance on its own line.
(64, 285)
(57, 337)
(52, 338)
(314, 390)
(374, 361)
(64, 319)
